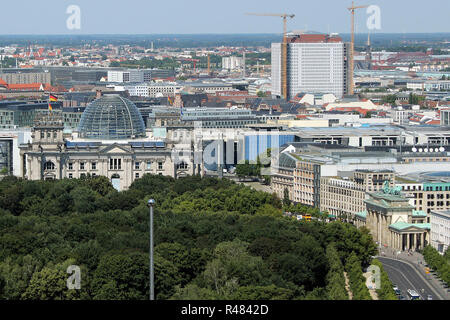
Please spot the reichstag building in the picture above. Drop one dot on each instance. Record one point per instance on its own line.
(111, 141)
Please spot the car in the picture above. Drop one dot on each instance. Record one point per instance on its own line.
(429, 297)
(396, 289)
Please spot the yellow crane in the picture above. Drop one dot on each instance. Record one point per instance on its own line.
(284, 92)
(352, 46)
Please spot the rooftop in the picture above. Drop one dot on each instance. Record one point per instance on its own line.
(403, 225)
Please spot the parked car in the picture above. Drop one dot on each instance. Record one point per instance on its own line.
(396, 289)
(429, 297)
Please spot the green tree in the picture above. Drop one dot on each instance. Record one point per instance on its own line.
(83, 199)
(49, 284)
(335, 278)
(356, 278)
(270, 292)
(233, 267)
(261, 94)
(121, 277)
(194, 292)
(386, 292)
(189, 262)
(286, 200)
(390, 99)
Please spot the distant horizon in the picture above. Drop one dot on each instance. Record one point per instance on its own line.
(68, 17)
(211, 33)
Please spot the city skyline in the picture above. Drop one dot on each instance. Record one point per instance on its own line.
(202, 17)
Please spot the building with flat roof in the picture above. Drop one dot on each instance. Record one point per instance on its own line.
(316, 63)
(440, 230)
(26, 77)
(427, 191)
(219, 117)
(343, 196)
(138, 75)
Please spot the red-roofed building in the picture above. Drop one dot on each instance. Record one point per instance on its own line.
(50, 88)
(26, 87)
(354, 109)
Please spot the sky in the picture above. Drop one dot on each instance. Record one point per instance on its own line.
(214, 16)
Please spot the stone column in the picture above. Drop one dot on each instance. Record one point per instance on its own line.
(22, 169)
(407, 241)
(390, 239)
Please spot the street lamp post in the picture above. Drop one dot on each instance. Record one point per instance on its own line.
(150, 203)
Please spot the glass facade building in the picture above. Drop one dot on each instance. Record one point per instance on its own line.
(111, 117)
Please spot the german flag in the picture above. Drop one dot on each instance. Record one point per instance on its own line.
(52, 98)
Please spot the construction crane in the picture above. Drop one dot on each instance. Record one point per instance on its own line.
(209, 65)
(284, 91)
(282, 15)
(352, 46)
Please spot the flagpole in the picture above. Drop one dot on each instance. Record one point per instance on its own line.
(48, 102)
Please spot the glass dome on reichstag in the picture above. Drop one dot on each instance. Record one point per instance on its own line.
(111, 117)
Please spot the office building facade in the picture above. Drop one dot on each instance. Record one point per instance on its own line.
(440, 230)
(315, 64)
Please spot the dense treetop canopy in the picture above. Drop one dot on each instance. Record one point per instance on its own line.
(214, 239)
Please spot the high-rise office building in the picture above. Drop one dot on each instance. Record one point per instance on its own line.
(315, 63)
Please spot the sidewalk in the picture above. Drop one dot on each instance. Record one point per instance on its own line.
(417, 260)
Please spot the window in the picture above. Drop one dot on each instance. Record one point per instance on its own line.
(160, 165)
(136, 175)
(81, 165)
(137, 165)
(70, 165)
(54, 135)
(42, 135)
(70, 176)
(182, 165)
(115, 164)
(49, 165)
(94, 165)
(149, 165)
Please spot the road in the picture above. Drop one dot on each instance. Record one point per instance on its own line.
(407, 277)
